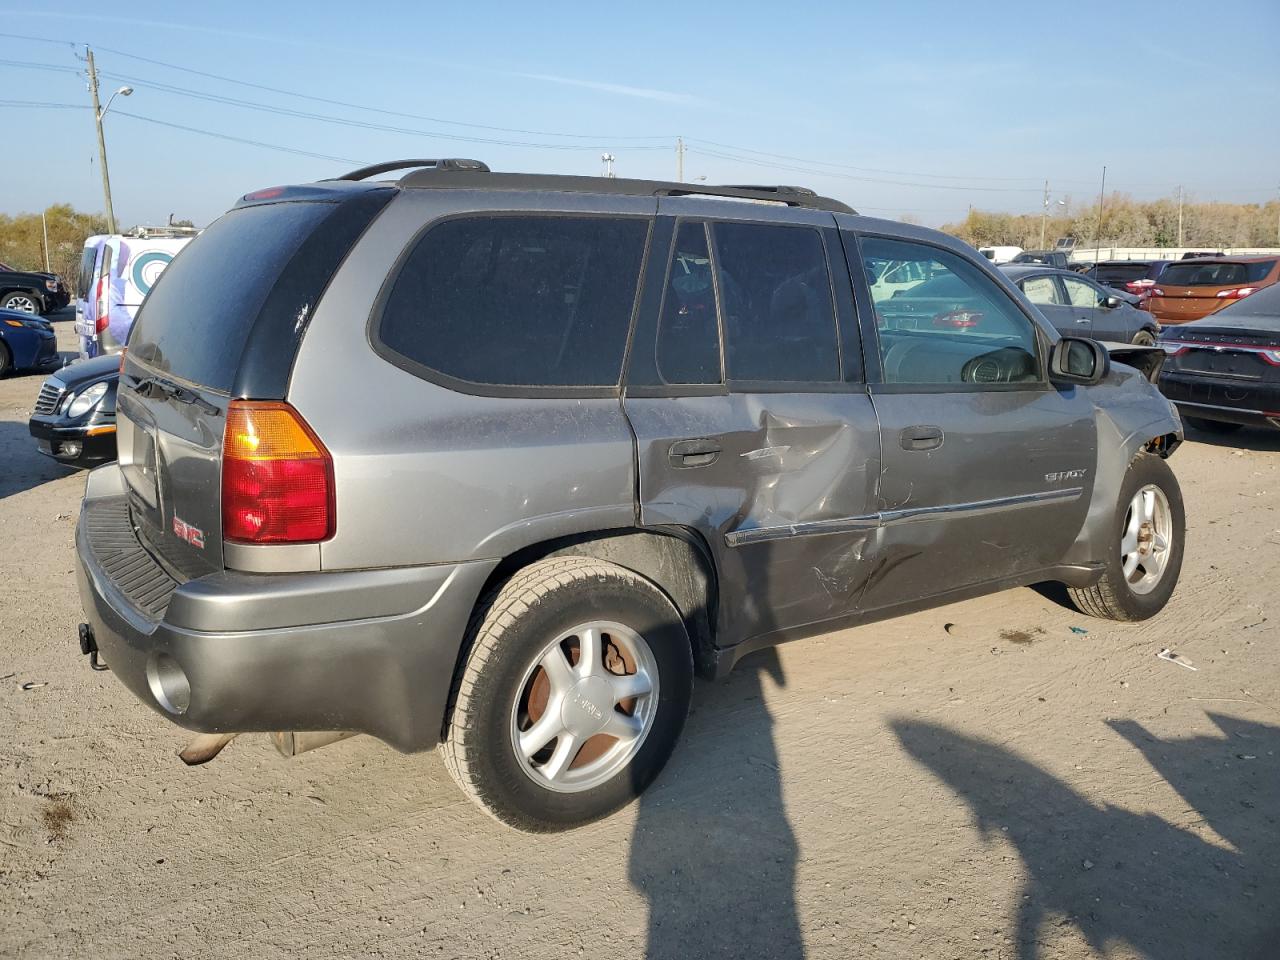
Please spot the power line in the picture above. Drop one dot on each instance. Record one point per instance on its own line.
(227, 136)
(846, 166)
(33, 65)
(142, 82)
(376, 109)
(44, 103)
(846, 176)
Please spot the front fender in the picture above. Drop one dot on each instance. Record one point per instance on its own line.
(1129, 413)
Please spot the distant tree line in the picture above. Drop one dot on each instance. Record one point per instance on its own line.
(22, 239)
(1130, 223)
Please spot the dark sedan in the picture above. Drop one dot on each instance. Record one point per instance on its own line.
(1223, 372)
(27, 342)
(74, 420)
(1079, 307)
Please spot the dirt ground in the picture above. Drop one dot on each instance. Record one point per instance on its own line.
(982, 780)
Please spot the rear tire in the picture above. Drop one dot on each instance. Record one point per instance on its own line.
(526, 730)
(5, 361)
(1213, 426)
(1145, 546)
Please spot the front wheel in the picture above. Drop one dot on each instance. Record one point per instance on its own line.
(1144, 557)
(1144, 338)
(21, 301)
(572, 696)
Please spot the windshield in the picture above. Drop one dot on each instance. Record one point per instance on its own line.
(1106, 272)
(1200, 273)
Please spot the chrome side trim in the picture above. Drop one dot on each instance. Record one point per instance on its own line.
(814, 528)
(979, 507)
(810, 528)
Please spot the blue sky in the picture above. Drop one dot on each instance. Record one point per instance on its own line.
(906, 108)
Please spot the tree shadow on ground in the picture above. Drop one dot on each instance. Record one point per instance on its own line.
(1159, 889)
(713, 851)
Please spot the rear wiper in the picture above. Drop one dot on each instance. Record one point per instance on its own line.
(149, 386)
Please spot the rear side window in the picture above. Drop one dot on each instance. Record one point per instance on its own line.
(775, 295)
(688, 332)
(195, 321)
(532, 301)
(1193, 274)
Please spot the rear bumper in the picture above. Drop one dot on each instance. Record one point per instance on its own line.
(1230, 401)
(371, 651)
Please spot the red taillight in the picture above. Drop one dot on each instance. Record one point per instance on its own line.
(277, 477)
(957, 320)
(1139, 286)
(103, 317)
(1235, 293)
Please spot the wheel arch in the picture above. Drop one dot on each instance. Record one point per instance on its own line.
(675, 558)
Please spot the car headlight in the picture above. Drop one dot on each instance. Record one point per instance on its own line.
(86, 401)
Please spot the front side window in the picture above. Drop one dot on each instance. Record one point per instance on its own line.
(957, 327)
(689, 331)
(1081, 294)
(1042, 290)
(775, 290)
(518, 300)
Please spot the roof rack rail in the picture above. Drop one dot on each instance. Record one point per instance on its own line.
(444, 177)
(448, 163)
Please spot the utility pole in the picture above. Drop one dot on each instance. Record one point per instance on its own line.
(1102, 196)
(102, 142)
(44, 226)
(1179, 214)
(680, 159)
(1044, 216)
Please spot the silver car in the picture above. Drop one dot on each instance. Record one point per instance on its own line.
(498, 463)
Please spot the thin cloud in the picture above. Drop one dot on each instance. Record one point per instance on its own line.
(642, 93)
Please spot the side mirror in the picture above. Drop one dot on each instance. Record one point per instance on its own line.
(1077, 360)
(1111, 302)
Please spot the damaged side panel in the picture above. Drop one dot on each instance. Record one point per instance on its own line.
(782, 488)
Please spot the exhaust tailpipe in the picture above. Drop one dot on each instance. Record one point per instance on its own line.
(204, 748)
(290, 743)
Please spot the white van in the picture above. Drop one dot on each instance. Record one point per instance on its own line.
(116, 273)
(999, 254)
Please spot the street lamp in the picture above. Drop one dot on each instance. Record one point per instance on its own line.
(122, 92)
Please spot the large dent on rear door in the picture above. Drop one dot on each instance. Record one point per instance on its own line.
(1130, 412)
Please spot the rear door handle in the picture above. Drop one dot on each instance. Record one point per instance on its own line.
(694, 453)
(921, 438)
(1082, 320)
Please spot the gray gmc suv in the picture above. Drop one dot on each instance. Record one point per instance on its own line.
(499, 462)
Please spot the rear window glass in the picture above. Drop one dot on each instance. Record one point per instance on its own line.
(1200, 274)
(1107, 272)
(537, 301)
(85, 280)
(196, 319)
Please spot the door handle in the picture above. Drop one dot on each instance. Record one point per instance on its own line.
(1082, 320)
(694, 453)
(921, 438)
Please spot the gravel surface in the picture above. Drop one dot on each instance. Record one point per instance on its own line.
(980, 780)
